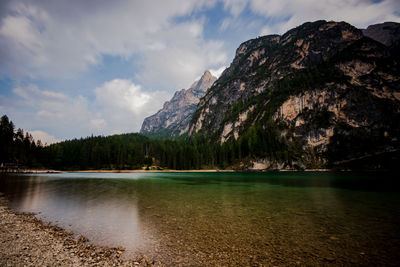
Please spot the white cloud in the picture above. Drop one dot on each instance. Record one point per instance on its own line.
(125, 95)
(44, 137)
(225, 24)
(186, 55)
(119, 106)
(55, 113)
(286, 14)
(235, 7)
(122, 94)
(217, 72)
(98, 124)
(122, 105)
(33, 91)
(43, 39)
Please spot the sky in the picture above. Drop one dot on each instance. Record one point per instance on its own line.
(70, 69)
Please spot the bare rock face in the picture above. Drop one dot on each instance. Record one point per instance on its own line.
(260, 62)
(174, 117)
(317, 91)
(387, 33)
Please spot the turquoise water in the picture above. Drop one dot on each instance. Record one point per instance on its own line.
(280, 218)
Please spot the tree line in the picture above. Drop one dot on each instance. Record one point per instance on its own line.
(136, 151)
(16, 147)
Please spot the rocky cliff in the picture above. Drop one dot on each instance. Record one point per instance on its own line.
(321, 94)
(174, 117)
(387, 33)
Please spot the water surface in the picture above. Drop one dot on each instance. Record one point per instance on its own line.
(224, 218)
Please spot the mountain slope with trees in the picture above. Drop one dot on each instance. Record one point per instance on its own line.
(319, 95)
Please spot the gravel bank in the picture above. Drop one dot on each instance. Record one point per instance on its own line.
(27, 241)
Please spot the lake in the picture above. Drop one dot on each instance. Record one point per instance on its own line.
(274, 218)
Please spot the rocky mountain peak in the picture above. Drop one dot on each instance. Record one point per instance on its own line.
(174, 117)
(200, 87)
(387, 33)
(206, 75)
(314, 87)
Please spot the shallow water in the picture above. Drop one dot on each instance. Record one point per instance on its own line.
(224, 218)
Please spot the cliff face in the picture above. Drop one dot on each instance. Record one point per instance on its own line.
(387, 33)
(323, 91)
(174, 117)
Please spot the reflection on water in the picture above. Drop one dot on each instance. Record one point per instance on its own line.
(224, 218)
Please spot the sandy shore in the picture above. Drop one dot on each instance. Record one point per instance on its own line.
(27, 241)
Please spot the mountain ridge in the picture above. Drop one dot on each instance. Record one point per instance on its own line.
(291, 99)
(174, 117)
(387, 33)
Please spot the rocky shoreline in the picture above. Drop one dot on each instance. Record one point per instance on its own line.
(28, 241)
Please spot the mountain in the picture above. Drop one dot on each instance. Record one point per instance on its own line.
(387, 33)
(174, 117)
(323, 94)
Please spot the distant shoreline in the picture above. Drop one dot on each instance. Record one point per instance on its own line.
(147, 171)
(205, 171)
(168, 171)
(28, 171)
(187, 171)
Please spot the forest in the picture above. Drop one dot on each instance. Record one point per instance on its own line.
(136, 151)
(18, 148)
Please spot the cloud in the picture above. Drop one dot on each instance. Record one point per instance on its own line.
(217, 72)
(225, 24)
(235, 7)
(98, 124)
(286, 14)
(33, 91)
(179, 66)
(59, 39)
(282, 15)
(118, 106)
(55, 113)
(122, 105)
(122, 94)
(44, 137)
